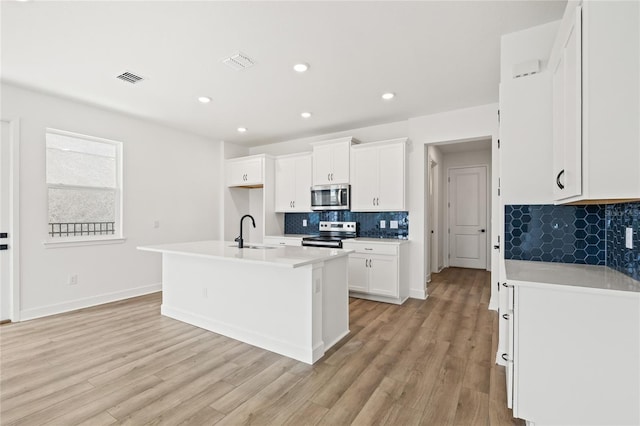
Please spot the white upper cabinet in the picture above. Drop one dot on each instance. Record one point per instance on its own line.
(293, 183)
(378, 176)
(567, 104)
(245, 171)
(331, 161)
(596, 103)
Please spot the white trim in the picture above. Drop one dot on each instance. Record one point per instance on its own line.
(488, 208)
(14, 218)
(80, 135)
(418, 294)
(118, 190)
(84, 241)
(86, 302)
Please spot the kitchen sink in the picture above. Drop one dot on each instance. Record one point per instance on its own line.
(256, 247)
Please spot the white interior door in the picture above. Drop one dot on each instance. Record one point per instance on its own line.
(5, 289)
(468, 217)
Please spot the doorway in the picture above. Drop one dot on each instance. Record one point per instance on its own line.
(468, 217)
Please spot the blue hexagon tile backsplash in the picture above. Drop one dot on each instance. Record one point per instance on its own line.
(619, 217)
(368, 223)
(590, 234)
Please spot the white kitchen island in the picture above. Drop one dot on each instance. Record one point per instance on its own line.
(289, 300)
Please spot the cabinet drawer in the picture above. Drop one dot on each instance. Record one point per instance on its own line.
(371, 248)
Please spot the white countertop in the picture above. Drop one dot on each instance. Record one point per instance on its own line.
(566, 274)
(287, 256)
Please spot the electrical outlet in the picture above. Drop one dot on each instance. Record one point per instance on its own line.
(383, 224)
(73, 279)
(304, 222)
(629, 238)
(393, 224)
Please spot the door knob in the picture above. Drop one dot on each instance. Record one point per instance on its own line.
(483, 230)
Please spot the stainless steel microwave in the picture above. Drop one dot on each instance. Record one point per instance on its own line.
(330, 197)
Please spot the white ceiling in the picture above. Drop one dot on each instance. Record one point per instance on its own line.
(436, 56)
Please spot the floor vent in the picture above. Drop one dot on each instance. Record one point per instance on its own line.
(130, 77)
(239, 61)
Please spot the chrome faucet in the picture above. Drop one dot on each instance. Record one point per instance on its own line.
(239, 240)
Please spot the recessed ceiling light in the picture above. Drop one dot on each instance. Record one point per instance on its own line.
(388, 96)
(242, 129)
(305, 114)
(301, 67)
(204, 99)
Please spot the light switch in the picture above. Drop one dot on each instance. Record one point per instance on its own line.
(393, 224)
(629, 238)
(383, 224)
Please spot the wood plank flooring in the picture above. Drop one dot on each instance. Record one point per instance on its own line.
(425, 362)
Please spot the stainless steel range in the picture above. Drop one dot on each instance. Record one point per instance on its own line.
(331, 234)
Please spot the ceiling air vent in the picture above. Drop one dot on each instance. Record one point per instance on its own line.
(239, 61)
(130, 77)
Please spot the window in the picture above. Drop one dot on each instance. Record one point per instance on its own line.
(84, 184)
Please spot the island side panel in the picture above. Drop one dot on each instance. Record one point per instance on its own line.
(271, 307)
(335, 294)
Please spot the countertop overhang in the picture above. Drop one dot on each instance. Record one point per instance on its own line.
(284, 256)
(594, 277)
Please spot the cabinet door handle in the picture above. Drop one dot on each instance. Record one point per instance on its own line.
(506, 357)
(328, 176)
(507, 285)
(332, 176)
(368, 249)
(560, 185)
(281, 243)
(366, 263)
(294, 204)
(373, 201)
(377, 201)
(370, 263)
(505, 316)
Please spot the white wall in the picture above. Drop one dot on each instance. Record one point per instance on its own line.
(435, 256)
(235, 201)
(169, 175)
(460, 125)
(464, 159)
(526, 132)
(380, 132)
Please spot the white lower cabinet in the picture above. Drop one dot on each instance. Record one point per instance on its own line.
(574, 355)
(377, 270)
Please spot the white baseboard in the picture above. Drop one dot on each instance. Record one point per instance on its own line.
(87, 302)
(493, 304)
(418, 294)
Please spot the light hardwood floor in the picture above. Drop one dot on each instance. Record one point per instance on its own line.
(425, 362)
